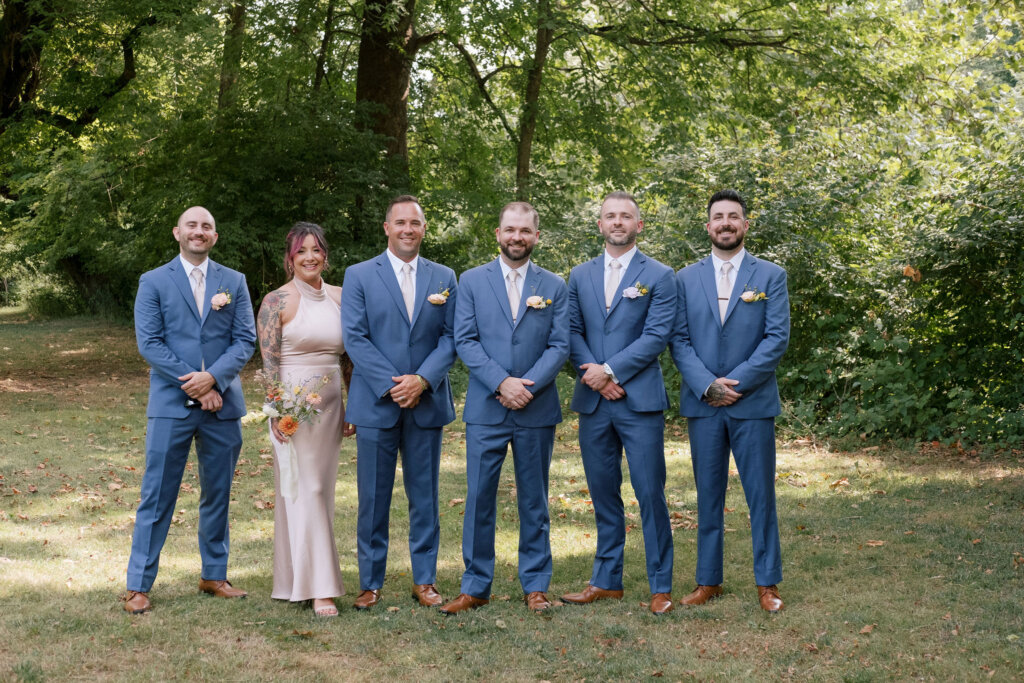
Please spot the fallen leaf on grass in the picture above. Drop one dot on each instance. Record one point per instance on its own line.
(976, 541)
(499, 623)
(456, 501)
(839, 482)
(114, 486)
(393, 608)
(874, 544)
(810, 647)
(302, 634)
(867, 629)
(32, 488)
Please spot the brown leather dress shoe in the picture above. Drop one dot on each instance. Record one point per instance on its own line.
(591, 594)
(769, 598)
(463, 603)
(367, 599)
(221, 589)
(426, 594)
(537, 601)
(137, 602)
(661, 603)
(701, 595)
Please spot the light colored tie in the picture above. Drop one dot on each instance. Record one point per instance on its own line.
(513, 293)
(724, 289)
(408, 289)
(612, 285)
(198, 288)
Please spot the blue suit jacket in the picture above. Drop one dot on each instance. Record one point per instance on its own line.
(383, 343)
(629, 338)
(175, 341)
(747, 347)
(535, 348)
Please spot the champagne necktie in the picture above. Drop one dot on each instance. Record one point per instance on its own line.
(612, 285)
(198, 289)
(724, 289)
(513, 293)
(408, 289)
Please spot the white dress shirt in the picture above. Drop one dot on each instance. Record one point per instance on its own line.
(506, 269)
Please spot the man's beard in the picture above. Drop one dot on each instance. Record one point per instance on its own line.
(627, 240)
(525, 249)
(728, 247)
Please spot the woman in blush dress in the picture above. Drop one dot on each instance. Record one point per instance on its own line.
(300, 339)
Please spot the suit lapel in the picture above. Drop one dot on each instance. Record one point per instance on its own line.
(184, 286)
(530, 284)
(423, 287)
(387, 277)
(214, 275)
(500, 290)
(743, 277)
(707, 279)
(629, 278)
(597, 280)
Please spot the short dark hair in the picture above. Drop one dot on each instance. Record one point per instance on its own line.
(401, 199)
(619, 194)
(293, 242)
(525, 207)
(728, 195)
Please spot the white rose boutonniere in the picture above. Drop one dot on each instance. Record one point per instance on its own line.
(220, 300)
(635, 291)
(752, 295)
(439, 298)
(538, 302)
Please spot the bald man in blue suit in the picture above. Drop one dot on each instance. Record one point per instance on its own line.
(512, 332)
(194, 326)
(397, 311)
(621, 309)
(732, 328)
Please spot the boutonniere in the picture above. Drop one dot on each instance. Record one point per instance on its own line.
(439, 298)
(221, 299)
(538, 302)
(635, 291)
(751, 295)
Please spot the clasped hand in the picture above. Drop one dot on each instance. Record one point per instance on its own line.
(199, 386)
(597, 379)
(721, 393)
(407, 390)
(513, 394)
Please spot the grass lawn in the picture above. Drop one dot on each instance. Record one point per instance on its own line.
(899, 564)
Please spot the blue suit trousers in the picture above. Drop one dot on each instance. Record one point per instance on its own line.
(168, 442)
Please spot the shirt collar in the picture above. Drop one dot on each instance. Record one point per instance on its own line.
(203, 267)
(397, 263)
(623, 260)
(736, 261)
(506, 269)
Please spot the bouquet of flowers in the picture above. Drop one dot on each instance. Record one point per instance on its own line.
(292, 405)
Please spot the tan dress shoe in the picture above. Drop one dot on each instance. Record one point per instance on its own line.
(769, 598)
(137, 602)
(367, 599)
(701, 595)
(221, 589)
(591, 594)
(426, 594)
(537, 601)
(463, 603)
(661, 603)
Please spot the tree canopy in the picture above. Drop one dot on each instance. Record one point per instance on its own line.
(879, 145)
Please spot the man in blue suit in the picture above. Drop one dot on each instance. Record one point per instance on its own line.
(732, 327)
(621, 309)
(194, 326)
(512, 332)
(397, 311)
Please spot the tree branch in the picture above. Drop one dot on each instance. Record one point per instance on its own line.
(481, 84)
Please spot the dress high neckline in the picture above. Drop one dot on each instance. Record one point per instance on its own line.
(308, 291)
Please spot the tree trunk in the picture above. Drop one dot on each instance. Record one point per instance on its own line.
(231, 63)
(531, 99)
(24, 30)
(325, 48)
(386, 52)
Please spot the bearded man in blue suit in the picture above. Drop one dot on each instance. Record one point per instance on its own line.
(621, 309)
(397, 311)
(512, 332)
(194, 326)
(732, 327)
